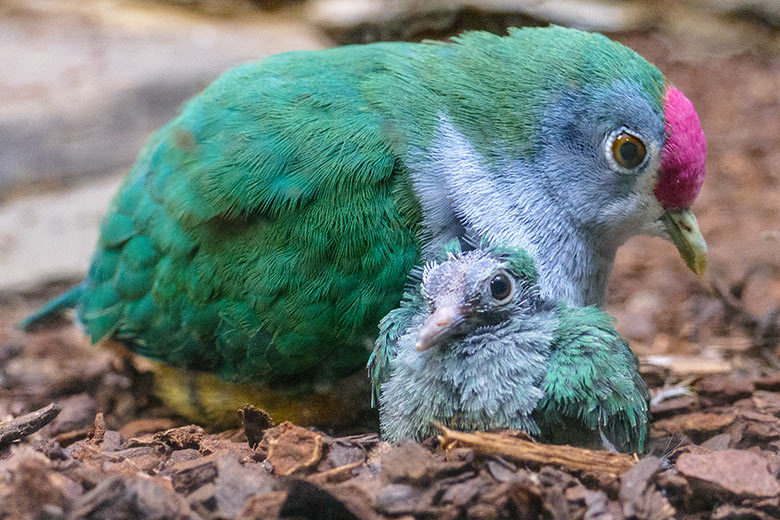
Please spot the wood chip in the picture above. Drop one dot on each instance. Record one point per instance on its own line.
(409, 463)
(692, 423)
(526, 451)
(723, 389)
(181, 438)
(98, 432)
(28, 424)
(292, 448)
(268, 505)
(737, 472)
(254, 421)
(682, 366)
(338, 474)
(640, 498)
(190, 475)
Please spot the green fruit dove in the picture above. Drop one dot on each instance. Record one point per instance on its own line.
(263, 233)
(475, 346)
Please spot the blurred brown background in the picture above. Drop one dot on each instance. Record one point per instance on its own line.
(84, 82)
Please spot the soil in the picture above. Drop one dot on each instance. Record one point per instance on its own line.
(97, 444)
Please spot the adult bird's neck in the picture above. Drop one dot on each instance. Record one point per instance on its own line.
(574, 264)
(462, 197)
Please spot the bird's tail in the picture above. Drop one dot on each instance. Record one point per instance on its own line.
(53, 308)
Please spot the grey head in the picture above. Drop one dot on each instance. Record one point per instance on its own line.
(475, 350)
(571, 147)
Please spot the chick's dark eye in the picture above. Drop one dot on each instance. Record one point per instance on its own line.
(628, 150)
(500, 287)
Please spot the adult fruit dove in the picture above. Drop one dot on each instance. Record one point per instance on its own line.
(474, 346)
(264, 232)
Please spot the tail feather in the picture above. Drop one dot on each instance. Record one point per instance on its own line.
(53, 308)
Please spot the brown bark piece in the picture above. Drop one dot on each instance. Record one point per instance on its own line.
(98, 431)
(335, 475)
(33, 485)
(268, 505)
(190, 475)
(291, 448)
(738, 473)
(640, 497)
(767, 402)
(759, 427)
(696, 423)
(731, 512)
(717, 442)
(118, 497)
(340, 452)
(408, 462)
(181, 438)
(770, 382)
(25, 425)
(254, 421)
(518, 449)
(723, 389)
(235, 483)
(211, 445)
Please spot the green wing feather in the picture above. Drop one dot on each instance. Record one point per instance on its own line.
(262, 233)
(593, 381)
(391, 328)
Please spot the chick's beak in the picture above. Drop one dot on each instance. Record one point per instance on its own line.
(443, 323)
(684, 232)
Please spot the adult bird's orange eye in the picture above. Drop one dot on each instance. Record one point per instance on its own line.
(628, 150)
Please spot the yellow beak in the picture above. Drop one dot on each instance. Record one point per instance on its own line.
(684, 233)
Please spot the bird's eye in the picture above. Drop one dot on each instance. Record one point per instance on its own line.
(501, 288)
(628, 150)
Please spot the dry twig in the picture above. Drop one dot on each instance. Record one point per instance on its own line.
(526, 451)
(25, 425)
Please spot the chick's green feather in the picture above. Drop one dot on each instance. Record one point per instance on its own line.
(593, 380)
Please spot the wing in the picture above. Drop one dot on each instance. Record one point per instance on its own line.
(263, 232)
(593, 382)
(395, 324)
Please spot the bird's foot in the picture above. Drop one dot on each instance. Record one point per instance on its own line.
(671, 391)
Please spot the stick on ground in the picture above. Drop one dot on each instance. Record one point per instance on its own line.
(526, 451)
(27, 424)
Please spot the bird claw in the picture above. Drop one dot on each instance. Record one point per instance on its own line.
(606, 443)
(671, 391)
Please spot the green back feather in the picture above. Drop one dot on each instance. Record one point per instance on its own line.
(264, 232)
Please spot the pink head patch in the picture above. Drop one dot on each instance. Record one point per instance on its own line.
(682, 159)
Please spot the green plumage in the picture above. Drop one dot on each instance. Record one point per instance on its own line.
(264, 232)
(592, 384)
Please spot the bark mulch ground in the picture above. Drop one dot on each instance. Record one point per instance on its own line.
(81, 435)
(95, 443)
